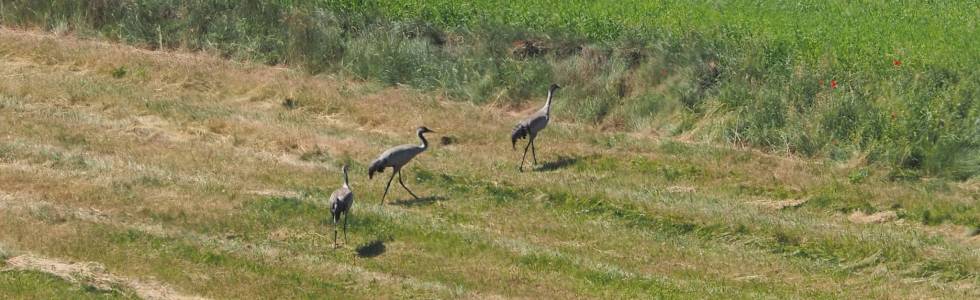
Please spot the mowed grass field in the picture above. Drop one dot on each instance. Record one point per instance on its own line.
(188, 171)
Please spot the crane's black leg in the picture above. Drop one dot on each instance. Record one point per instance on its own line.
(388, 186)
(403, 185)
(346, 215)
(534, 154)
(521, 168)
(335, 231)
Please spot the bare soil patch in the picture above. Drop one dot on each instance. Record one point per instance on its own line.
(781, 204)
(860, 217)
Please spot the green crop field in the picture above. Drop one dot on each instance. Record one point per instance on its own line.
(867, 35)
(698, 149)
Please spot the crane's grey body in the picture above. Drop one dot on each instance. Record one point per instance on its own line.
(531, 126)
(396, 158)
(401, 155)
(536, 122)
(341, 201)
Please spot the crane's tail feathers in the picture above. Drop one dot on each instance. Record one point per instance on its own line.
(335, 211)
(377, 166)
(519, 132)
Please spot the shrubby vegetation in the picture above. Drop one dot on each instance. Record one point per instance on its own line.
(889, 82)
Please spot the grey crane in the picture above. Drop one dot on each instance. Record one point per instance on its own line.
(531, 126)
(341, 201)
(396, 158)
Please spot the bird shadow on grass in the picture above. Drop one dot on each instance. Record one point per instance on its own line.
(419, 202)
(560, 163)
(371, 249)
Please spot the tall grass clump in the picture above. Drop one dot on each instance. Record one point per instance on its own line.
(890, 82)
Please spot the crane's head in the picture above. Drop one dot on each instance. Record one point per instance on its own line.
(345, 168)
(553, 87)
(423, 129)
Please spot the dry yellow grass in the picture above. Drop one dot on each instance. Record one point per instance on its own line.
(190, 171)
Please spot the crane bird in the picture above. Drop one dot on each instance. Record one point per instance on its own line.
(396, 158)
(341, 201)
(530, 127)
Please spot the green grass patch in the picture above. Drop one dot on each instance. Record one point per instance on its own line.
(37, 285)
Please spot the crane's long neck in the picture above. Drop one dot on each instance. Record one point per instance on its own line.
(425, 144)
(346, 183)
(547, 105)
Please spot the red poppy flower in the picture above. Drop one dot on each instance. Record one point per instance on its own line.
(897, 63)
(833, 84)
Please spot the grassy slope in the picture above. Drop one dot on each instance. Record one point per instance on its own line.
(188, 169)
(811, 78)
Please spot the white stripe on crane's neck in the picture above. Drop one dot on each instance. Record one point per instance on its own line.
(346, 183)
(547, 105)
(425, 144)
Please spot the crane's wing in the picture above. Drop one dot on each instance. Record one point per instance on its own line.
(537, 123)
(401, 155)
